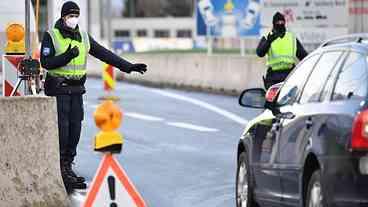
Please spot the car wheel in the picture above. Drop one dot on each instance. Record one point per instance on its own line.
(244, 190)
(315, 196)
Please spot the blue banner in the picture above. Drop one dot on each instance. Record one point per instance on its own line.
(228, 18)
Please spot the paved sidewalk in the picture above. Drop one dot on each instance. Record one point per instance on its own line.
(77, 198)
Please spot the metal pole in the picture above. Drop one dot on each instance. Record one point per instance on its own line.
(108, 16)
(28, 28)
(37, 15)
(89, 16)
(242, 46)
(209, 40)
(27, 38)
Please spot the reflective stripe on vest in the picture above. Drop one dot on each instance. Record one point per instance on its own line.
(282, 53)
(76, 68)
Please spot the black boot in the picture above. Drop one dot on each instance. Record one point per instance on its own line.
(71, 183)
(69, 169)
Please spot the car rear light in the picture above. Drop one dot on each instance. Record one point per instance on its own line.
(359, 139)
(272, 92)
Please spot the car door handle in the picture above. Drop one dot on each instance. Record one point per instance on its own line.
(275, 128)
(309, 123)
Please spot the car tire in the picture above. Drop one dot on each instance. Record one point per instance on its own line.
(244, 187)
(315, 196)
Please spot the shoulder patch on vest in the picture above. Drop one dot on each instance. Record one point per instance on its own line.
(46, 51)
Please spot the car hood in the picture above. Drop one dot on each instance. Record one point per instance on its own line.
(264, 118)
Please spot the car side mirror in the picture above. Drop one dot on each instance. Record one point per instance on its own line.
(271, 97)
(253, 98)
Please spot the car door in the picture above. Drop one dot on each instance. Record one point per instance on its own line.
(297, 127)
(267, 176)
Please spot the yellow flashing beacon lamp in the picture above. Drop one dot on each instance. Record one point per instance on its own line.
(15, 35)
(108, 117)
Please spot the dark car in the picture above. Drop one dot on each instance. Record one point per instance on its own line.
(309, 147)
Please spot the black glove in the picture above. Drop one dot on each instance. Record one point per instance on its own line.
(139, 67)
(72, 52)
(272, 36)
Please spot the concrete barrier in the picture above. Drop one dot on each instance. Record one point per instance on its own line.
(218, 73)
(29, 147)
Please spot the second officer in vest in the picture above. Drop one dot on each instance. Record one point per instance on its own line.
(64, 53)
(282, 49)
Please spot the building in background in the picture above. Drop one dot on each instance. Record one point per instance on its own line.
(313, 21)
(141, 25)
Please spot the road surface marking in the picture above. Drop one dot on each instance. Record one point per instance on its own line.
(142, 116)
(203, 104)
(191, 126)
(94, 106)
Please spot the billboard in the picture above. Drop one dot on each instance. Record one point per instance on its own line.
(228, 18)
(307, 13)
(313, 21)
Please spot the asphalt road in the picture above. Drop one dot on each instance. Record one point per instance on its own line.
(180, 147)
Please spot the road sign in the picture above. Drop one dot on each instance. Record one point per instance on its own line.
(10, 74)
(112, 187)
(228, 18)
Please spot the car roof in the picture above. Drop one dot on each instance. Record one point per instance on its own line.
(358, 42)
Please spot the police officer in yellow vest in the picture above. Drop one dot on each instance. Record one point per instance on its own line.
(64, 53)
(282, 49)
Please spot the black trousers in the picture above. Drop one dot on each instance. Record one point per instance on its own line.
(273, 77)
(70, 116)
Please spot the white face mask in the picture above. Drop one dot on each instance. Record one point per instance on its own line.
(72, 22)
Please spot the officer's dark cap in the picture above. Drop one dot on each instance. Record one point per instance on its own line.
(69, 7)
(278, 17)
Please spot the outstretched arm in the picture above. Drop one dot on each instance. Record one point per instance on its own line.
(105, 55)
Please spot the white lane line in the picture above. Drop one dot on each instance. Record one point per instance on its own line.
(94, 106)
(191, 126)
(142, 116)
(203, 104)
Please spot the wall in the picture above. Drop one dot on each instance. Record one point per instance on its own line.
(30, 167)
(217, 73)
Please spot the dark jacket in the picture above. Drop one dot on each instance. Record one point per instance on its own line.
(264, 45)
(59, 86)
(273, 77)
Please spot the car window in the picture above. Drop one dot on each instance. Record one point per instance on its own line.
(319, 76)
(352, 80)
(295, 81)
(329, 86)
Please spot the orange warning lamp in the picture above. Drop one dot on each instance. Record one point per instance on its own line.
(108, 117)
(15, 35)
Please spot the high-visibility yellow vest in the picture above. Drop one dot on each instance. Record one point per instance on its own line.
(282, 53)
(76, 68)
